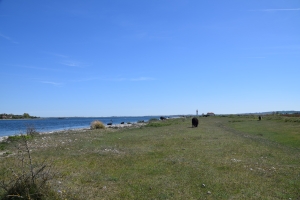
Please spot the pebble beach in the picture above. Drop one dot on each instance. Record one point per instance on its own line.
(114, 126)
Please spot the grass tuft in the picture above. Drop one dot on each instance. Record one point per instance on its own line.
(97, 125)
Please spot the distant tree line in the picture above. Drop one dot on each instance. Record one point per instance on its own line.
(291, 115)
(12, 116)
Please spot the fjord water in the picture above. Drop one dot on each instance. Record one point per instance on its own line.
(12, 127)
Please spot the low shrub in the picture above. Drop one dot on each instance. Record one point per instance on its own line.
(31, 131)
(97, 125)
(2, 147)
(14, 138)
(27, 179)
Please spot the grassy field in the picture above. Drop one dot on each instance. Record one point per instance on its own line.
(224, 158)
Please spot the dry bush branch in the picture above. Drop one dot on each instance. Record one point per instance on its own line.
(26, 179)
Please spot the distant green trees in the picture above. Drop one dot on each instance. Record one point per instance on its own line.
(12, 116)
(26, 115)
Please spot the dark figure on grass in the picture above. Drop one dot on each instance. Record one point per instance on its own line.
(163, 118)
(194, 122)
(259, 118)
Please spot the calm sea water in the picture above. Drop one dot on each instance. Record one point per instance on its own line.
(12, 127)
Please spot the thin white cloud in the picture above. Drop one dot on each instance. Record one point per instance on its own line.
(41, 68)
(5, 37)
(120, 79)
(71, 63)
(57, 55)
(8, 38)
(154, 35)
(130, 79)
(51, 83)
(255, 57)
(37, 68)
(85, 80)
(142, 79)
(276, 9)
(115, 79)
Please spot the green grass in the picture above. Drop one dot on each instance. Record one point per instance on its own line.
(159, 123)
(282, 130)
(17, 137)
(247, 159)
(2, 147)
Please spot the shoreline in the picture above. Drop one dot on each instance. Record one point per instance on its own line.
(114, 126)
(10, 127)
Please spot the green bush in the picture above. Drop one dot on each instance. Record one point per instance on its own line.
(2, 147)
(14, 138)
(97, 125)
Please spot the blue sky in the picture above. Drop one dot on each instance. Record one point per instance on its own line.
(152, 57)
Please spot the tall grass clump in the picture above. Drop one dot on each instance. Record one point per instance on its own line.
(26, 179)
(97, 125)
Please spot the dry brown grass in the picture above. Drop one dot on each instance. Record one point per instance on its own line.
(97, 125)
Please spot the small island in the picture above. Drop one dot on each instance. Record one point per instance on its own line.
(12, 116)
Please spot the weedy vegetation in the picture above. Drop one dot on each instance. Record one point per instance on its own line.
(22, 178)
(228, 157)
